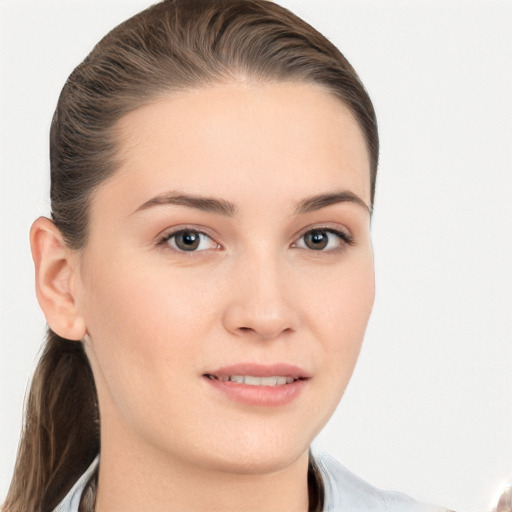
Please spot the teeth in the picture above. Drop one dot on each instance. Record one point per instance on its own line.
(258, 381)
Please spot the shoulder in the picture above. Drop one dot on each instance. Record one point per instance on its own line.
(346, 491)
(72, 500)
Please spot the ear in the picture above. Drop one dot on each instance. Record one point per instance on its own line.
(55, 275)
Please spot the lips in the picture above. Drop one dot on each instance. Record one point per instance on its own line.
(260, 385)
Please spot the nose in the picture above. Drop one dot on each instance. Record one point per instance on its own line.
(261, 303)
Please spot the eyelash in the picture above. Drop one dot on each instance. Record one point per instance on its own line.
(345, 238)
(164, 240)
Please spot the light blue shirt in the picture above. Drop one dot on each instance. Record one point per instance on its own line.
(344, 492)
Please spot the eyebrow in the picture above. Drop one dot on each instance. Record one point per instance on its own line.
(207, 204)
(229, 209)
(311, 204)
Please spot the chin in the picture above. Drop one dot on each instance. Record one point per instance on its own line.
(258, 464)
(256, 455)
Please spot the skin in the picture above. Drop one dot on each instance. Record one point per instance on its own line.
(156, 319)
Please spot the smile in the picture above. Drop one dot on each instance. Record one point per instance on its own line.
(274, 385)
(251, 380)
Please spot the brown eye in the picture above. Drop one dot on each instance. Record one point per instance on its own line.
(324, 240)
(316, 240)
(188, 240)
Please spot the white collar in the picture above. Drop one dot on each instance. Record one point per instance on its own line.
(72, 500)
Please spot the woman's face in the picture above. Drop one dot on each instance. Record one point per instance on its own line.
(233, 241)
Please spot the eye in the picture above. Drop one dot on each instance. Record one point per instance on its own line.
(323, 240)
(189, 240)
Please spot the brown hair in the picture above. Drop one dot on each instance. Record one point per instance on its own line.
(173, 45)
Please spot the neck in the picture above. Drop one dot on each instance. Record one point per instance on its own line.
(133, 478)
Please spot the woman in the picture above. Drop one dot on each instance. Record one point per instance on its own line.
(207, 274)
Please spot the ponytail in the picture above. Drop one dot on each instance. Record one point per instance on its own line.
(60, 435)
(171, 46)
(316, 490)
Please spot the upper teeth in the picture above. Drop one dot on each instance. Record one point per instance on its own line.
(257, 381)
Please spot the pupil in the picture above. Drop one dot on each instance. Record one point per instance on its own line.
(187, 241)
(317, 240)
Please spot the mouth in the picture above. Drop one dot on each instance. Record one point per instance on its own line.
(252, 380)
(259, 385)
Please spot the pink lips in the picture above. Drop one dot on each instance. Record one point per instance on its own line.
(259, 395)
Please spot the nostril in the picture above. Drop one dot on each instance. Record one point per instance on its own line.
(259, 320)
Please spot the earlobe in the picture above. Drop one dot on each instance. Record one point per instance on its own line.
(54, 269)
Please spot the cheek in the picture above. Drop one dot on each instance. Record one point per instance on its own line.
(135, 294)
(347, 297)
(146, 342)
(344, 310)
(144, 323)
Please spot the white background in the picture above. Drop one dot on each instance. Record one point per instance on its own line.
(429, 409)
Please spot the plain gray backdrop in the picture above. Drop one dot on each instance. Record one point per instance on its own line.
(428, 410)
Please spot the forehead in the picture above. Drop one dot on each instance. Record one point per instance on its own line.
(231, 139)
